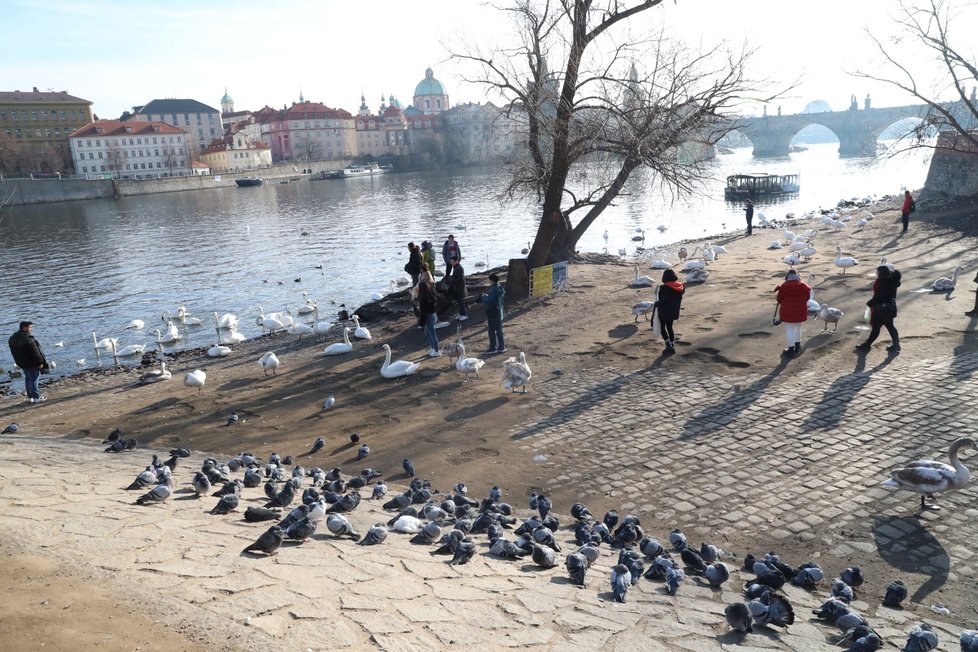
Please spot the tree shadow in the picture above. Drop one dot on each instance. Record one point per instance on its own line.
(830, 410)
(964, 362)
(905, 543)
(584, 401)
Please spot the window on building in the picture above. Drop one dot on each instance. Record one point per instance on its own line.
(13, 116)
(142, 166)
(16, 133)
(84, 168)
(33, 116)
(72, 115)
(427, 104)
(91, 155)
(158, 164)
(130, 142)
(88, 143)
(100, 154)
(64, 116)
(98, 143)
(23, 116)
(44, 116)
(102, 167)
(127, 166)
(156, 151)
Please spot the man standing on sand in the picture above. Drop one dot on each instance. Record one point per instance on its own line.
(908, 207)
(449, 249)
(749, 210)
(455, 284)
(28, 355)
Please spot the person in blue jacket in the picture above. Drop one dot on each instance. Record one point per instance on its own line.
(493, 301)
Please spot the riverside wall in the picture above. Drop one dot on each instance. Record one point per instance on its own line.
(954, 167)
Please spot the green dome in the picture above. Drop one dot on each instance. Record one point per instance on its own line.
(429, 85)
(227, 98)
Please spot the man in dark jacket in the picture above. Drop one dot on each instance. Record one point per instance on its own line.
(455, 286)
(493, 301)
(414, 263)
(28, 356)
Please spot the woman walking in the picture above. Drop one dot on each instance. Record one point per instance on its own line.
(670, 299)
(428, 306)
(793, 306)
(883, 308)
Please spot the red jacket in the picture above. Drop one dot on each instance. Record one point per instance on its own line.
(907, 200)
(793, 297)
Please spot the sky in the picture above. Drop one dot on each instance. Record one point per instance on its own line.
(120, 54)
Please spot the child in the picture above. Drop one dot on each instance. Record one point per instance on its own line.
(669, 301)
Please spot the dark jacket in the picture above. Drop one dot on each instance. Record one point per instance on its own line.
(883, 302)
(447, 253)
(26, 351)
(493, 301)
(427, 300)
(414, 262)
(793, 297)
(670, 300)
(455, 283)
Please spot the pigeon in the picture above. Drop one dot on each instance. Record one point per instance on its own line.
(355, 438)
(633, 562)
(329, 402)
(610, 519)
(858, 632)
(275, 459)
(709, 552)
(831, 609)
(739, 618)
(870, 643)
(269, 542)
(180, 452)
(659, 568)
(772, 578)
(533, 500)
(842, 591)
(369, 475)
(226, 504)
(284, 497)
(674, 577)
(772, 609)
(693, 560)
(144, 479)
(545, 537)
(362, 452)
(577, 565)
(341, 527)
(464, 552)
(716, 573)
(449, 543)
(544, 556)
(408, 467)
(896, 593)
(230, 487)
(650, 547)
(258, 514)
(590, 553)
(158, 494)
(808, 575)
(310, 496)
(288, 461)
(376, 534)
(345, 504)
(430, 533)
(252, 478)
(13, 427)
(505, 549)
(301, 530)
(495, 494)
(317, 445)
(201, 484)
(544, 505)
(232, 419)
(297, 514)
(677, 539)
(853, 577)
(621, 580)
(922, 638)
(969, 640)
(115, 435)
(379, 491)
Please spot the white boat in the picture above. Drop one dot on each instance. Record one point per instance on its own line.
(367, 170)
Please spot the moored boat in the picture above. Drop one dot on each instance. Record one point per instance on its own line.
(253, 181)
(754, 186)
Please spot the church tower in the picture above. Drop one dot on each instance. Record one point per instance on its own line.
(227, 104)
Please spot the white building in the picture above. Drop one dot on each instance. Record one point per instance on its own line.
(236, 153)
(130, 150)
(201, 122)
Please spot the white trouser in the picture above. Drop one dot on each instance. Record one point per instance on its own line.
(792, 333)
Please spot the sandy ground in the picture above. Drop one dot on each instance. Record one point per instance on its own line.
(452, 429)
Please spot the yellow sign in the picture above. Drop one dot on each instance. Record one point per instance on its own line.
(541, 281)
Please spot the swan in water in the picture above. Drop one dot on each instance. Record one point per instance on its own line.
(269, 361)
(195, 378)
(377, 296)
(945, 284)
(641, 281)
(338, 348)
(928, 477)
(271, 323)
(482, 263)
(227, 320)
(155, 375)
(135, 324)
(604, 235)
(662, 228)
(172, 334)
(307, 308)
(829, 315)
(525, 250)
(59, 345)
(516, 373)
(360, 332)
(401, 281)
(639, 238)
(105, 343)
(845, 262)
(622, 252)
(398, 368)
(468, 365)
(219, 351)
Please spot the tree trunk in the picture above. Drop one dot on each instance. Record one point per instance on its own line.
(517, 280)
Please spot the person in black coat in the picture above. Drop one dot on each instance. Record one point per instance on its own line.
(414, 263)
(749, 212)
(455, 287)
(883, 308)
(27, 354)
(669, 301)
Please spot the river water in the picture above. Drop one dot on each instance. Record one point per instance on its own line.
(79, 267)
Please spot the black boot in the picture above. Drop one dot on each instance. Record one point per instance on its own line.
(797, 348)
(895, 346)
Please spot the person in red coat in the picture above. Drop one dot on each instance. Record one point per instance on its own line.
(908, 207)
(793, 308)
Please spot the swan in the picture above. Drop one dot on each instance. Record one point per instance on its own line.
(377, 296)
(719, 249)
(789, 236)
(622, 252)
(861, 222)
(661, 264)
(402, 281)
(641, 281)
(219, 351)
(156, 375)
(828, 315)
(227, 320)
(300, 330)
(709, 255)
(775, 245)
(269, 361)
(845, 262)
(307, 308)
(516, 373)
(697, 276)
(945, 284)
(797, 245)
(192, 321)
(269, 323)
(525, 250)
(683, 254)
(468, 365)
(195, 378)
(105, 343)
(135, 324)
(172, 334)
(639, 238)
(693, 265)
(791, 259)
(838, 225)
(662, 228)
(360, 332)
(59, 345)
(480, 264)
(338, 348)
(808, 252)
(762, 220)
(452, 350)
(132, 349)
(928, 477)
(814, 307)
(319, 327)
(398, 368)
(231, 337)
(604, 235)
(643, 308)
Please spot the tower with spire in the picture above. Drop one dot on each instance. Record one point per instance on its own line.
(364, 109)
(227, 104)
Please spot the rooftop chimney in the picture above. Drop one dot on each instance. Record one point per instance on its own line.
(35, 89)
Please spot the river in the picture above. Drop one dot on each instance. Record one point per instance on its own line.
(79, 267)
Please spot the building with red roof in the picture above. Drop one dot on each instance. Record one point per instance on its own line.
(236, 153)
(130, 150)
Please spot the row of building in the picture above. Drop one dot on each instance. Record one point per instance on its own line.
(179, 137)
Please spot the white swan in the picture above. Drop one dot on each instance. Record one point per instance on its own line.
(945, 284)
(829, 315)
(697, 276)
(219, 351)
(155, 375)
(453, 350)
(480, 263)
(797, 245)
(928, 477)
(132, 349)
(319, 327)
(516, 373)
(195, 378)
(468, 365)
(791, 259)
(269, 361)
(192, 321)
(59, 345)
(661, 264)
(693, 265)
(377, 296)
(719, 249)
(641, 281)
(808, 252)
(639, 238)
(135, 324)
(300, 329)
(308, 307)
(643, 308)
(402, 281)
(172, 334)
(398, 368)
(775, 245)
(814, 307)
(789, 236)
(227, 320)
(845, 262)
(231, 336)
(270, 323)
(338, 348)
(360, 332)
(105, 343)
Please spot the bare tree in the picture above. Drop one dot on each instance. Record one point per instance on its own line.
(950, 95)
(10, 154)
(617, 103)
(116, 154)
(308, 149)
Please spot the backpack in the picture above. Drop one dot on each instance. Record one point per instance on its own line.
(913, 206)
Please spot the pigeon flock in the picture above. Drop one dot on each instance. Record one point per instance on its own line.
(299, 502)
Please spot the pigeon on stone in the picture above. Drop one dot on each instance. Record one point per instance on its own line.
(369, 475)
(851, 636)
(739, 618)
(284, 497)
(709, 552)
(449, 543)
(202, 485)
(12, 428)
(229, 487)
(922, 638)
(144, 479)
(317, 445)
(842, 591)
(896, 593)
(288, 461)
(544, 505)
(301, 530)
(590, 553)
(227, 504)
(268, 543)
(232, 419)
(354, 437)
(495, 494)
(752, 591)
(464, 552)
(408, 467)
(310, 496)
(772, 609)
(674, 577)
(157, 494)
(532, 503)
(376, 534)
(716, 573)
(969, 640)
(379, 490)
(577, 565)
(544, 556)
(545, 537)
(172, 462)
(831, 609)
(329, 402)
(434, 512)
(180, 452)
(505, 549)
(581, 512)
(677, 540)
(659, 567)
(611, 519)
(872, 642)
(399, 501)
(621, 581)
(808, 575)
(339, 526)
(252, 478)
(693, 560)
(772, 578)
(298, 513)
(633, 561)
(258, 514)
(430, 533)
(275, 459)
(115, 435)
(117, 446)
(853, 577)
(345, 504)
(234, 464)
(362, 452)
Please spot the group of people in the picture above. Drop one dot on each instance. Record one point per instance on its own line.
(424, 292)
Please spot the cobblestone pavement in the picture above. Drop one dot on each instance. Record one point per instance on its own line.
(772, 459)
